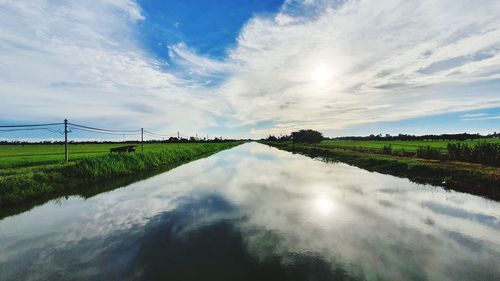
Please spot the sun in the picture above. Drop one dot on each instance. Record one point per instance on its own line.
(322, 73)
(323, 205)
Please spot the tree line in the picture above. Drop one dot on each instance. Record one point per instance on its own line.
(302, 136)
(431, 137)
(169, 140)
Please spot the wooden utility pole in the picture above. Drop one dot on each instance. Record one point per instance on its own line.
(142, 140)
(66, 140)
(178, 139)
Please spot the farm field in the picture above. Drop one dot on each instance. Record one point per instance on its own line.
(397, 145)
(33, 171)
(41, 154)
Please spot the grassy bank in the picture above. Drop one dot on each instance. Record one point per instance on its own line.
(466, 177)
(481, 151)
(20, 184)
(19, 155)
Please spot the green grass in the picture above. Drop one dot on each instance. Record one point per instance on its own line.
(408, 146)
(22, 180)
(40, 154)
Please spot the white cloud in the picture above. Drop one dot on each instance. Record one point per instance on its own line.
(474, 115)
(378, 53)
(129, 6)
(385, 61)
(196, 64)
(80, 60)
(478, 117)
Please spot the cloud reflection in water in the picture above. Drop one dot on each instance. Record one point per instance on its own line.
(285, 211)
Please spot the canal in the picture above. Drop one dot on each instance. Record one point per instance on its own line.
(257, 213)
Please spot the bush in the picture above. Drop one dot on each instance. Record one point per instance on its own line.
(428, 152)
(484, 153)
(387, 149)
(307, 136)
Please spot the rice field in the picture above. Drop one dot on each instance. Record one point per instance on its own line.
(14, 155)
(408, 146)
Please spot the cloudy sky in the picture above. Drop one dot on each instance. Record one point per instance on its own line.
(249, 68)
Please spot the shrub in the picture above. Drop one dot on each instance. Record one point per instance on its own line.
(484, 153)
(428, 152)
(307, 136)
(387, 149)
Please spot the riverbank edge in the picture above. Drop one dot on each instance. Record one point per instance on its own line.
(461, 177)
(21, 188)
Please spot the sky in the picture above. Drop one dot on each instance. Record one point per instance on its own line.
(250, 68)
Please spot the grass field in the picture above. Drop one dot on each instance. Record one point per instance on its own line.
(34, 171)
(39, 154)
(34, 154)
(408, 146)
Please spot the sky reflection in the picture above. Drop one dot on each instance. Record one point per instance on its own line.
(285, 211)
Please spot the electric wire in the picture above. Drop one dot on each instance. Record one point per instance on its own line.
(31, 129)
(159, 135)
(79, 127)
(33, 125)
(104, 130)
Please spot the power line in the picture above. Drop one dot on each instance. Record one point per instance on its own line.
(55, 131)
(69, 127)
(79, 127)
(104, 130)
(34, 125)
(32, 129)
(153, 133)
(157, 134)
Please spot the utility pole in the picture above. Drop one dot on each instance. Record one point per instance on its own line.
(66, 140)
(178, 139)
(142, 140)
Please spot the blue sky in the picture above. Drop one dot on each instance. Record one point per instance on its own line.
(209, 27)
(251, 68)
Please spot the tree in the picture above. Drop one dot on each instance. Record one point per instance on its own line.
(272, 138)
(306, 136)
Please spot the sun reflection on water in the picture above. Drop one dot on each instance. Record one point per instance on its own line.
(323, 205)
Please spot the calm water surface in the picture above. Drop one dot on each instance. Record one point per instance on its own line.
(257, 213)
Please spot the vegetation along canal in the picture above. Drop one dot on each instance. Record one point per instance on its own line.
(254, 212)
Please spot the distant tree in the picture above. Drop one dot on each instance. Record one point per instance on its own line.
(306, 136)
(285, 138)
(272, 138)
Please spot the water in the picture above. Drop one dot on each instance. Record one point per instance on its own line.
(257, 213)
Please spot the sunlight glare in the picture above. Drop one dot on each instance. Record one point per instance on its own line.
(322, 73)
(324, 205)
